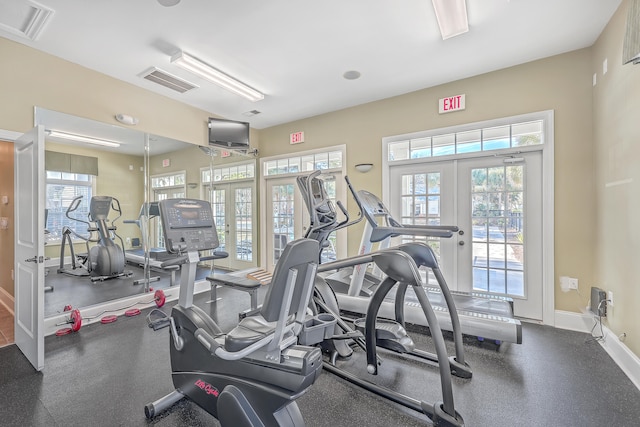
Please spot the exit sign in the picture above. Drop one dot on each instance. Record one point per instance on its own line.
(451, 103)
(296, 138)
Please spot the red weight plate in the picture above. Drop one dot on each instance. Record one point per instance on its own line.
(63, 331)
(68, 308)
(108, 319)
(160, 298)
(76, 320)
(132, 312)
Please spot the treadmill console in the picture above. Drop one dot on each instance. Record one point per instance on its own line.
(372, 207)
(188, 225)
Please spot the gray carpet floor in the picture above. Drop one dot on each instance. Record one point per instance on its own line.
(105, 374)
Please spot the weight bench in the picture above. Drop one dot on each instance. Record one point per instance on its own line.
(239, 283)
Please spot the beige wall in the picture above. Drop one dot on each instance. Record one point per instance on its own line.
(616, 111)
(561, 83)
(6, 236)
(31, 78)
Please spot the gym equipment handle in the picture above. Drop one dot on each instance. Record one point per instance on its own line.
(175, 261)
(206, 340)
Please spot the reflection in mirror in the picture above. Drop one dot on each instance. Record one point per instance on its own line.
(98, 207)
(229, 183)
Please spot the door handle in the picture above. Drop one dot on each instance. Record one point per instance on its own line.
(37, 259)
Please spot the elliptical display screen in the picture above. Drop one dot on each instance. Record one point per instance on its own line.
(188, 225)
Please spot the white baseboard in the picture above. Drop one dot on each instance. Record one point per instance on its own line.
(7, 300)
(619, 352)
(579, 322)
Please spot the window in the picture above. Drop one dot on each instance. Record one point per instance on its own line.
(433, 144)
(61, 189)
(305, 163)
(169, 180)
(228, 173)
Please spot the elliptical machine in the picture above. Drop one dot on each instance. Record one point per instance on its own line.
(105, 260)
(400, 268)
(251, 376)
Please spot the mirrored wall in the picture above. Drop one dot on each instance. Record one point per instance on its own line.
(103, 238)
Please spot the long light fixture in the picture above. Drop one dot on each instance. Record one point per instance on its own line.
(199, 68)
(82, 138)
(452, 17)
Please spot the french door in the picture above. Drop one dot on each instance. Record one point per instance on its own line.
(286, 220)
(234, 213)
(287, 217)
(497, 204)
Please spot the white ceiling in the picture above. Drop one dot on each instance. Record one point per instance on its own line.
(296, 51)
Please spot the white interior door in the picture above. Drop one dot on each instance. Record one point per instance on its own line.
(497, 204)
(234, 212)
(29, 245)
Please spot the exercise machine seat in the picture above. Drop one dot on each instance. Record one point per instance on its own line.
(252, 329)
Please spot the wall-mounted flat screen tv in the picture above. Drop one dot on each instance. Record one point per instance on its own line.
(228, 134)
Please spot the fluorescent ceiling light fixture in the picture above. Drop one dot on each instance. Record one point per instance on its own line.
(452, 17)
(82, 138)
(199, 68)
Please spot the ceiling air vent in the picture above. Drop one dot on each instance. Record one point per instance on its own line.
(165, 79)
(251, 113)
(24, 18)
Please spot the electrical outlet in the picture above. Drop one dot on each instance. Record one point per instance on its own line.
(610, 298)
(568, 282)
(573, 283)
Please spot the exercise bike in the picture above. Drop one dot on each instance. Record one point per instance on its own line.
(252, 375)
(104, 260)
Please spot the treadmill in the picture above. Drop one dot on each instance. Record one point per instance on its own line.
(155, 256)
(481, 314)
